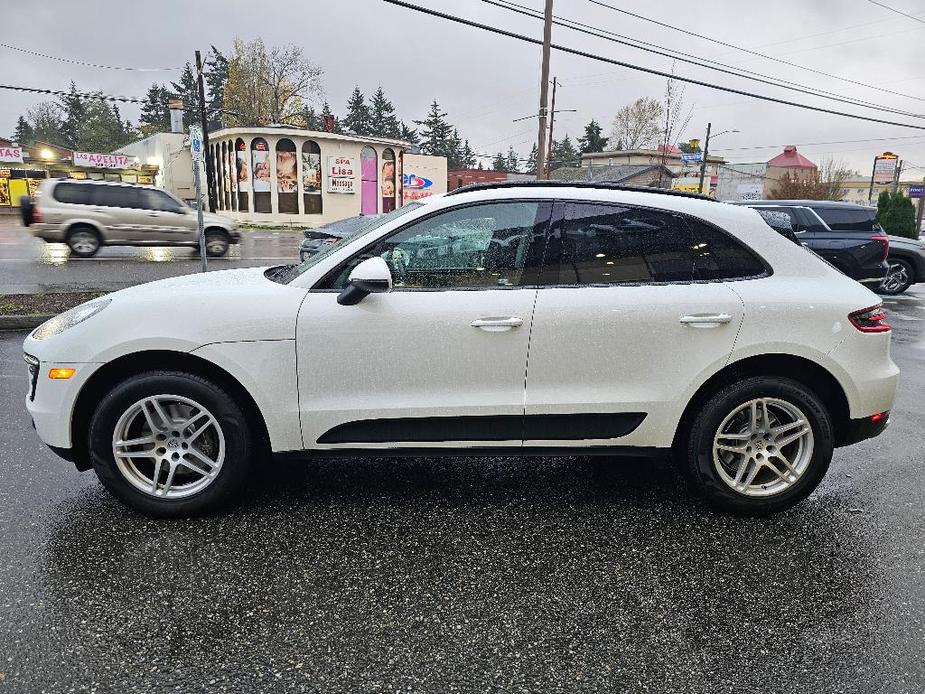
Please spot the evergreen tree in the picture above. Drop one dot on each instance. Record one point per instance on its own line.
(896, 214)
(187, 90)
(311, 119)
(455, 154)
(499, 163)
(102, 129)
(593, 140)
(358, 118)
(216, 77)
(383, 121)
(563, 154)
(531, 160)
(408, 134)
(73, 110)
(155, 116)
(468, 156)
(24, 134)
(512, 161)
(436, 133)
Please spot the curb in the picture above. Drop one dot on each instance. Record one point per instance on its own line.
(27, 322)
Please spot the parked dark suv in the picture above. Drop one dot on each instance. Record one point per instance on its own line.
(845, 234)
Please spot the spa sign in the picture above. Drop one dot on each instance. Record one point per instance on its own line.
(341, 175)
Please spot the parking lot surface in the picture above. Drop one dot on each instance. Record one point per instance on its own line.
(469, 575)
(29, 265)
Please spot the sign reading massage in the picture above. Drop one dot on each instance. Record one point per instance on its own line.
(341, 175)
(102, 161)
(11, 154)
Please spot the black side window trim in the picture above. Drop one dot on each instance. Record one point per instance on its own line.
(684, 218)
(529, 278)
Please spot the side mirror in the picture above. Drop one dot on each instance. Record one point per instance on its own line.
(372, 276)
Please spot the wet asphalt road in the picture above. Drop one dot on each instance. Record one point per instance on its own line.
(29, 265)
(469, 575)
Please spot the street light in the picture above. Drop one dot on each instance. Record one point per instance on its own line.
(706, 152)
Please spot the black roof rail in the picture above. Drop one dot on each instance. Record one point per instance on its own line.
(605, 185)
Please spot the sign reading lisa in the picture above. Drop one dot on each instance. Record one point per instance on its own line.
(11, 154)
(341, 175)
(102, 161)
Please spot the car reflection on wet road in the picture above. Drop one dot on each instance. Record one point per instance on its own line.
(547, 575)
(28, 264)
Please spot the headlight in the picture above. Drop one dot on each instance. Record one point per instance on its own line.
(69, 319)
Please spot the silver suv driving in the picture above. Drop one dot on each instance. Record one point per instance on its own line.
(90, 214)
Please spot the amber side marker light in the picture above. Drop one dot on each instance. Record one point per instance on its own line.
(60, 374)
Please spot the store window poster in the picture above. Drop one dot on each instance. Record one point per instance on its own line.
(261, 171)
(311, 172)
(286, 177)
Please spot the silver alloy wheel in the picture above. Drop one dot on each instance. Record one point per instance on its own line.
(83, 242)
(215, 244)
(763, 447)
(896, 278)
(168, 446)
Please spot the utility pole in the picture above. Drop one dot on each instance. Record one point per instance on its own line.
(703, 162)
(552, 120)
(544, 93)
(899, 171)
(873, 173)
(210, 171)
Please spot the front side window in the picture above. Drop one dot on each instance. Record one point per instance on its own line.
(160, 201)
(479, 246)
(609, 244)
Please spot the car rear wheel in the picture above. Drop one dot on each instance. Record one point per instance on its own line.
(83, 241)
(170, 444)
(759, 446)
(216, 243)
(898, 278)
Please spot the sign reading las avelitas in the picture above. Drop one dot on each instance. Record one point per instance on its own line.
(102, 161)
(13, 154)
(341, 175)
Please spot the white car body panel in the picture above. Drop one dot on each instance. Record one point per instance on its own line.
(312, 364)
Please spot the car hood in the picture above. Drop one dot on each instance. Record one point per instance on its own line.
(181, 314)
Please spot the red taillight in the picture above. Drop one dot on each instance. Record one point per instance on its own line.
(884, 241)
(878, 417)
(870, 320)
(36, 216)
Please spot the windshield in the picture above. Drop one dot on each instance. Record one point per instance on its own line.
(284, 274)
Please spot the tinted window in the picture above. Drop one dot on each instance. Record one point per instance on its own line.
(718, 256)
(159, 200)
(117, 196)
(606, 244)
(849, 218)
(774, 214)
(72, 193)
(470, 247)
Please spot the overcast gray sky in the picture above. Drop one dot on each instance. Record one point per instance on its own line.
(485, 81)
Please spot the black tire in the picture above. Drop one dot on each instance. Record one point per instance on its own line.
(238, 442)
(698, 446)
(26, 210)
(900, 277)
(84, 241)
(216, 243)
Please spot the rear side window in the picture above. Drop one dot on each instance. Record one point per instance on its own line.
(117, 196)
(72, 193)
(611, 244)
(718, 256)
(849, 219)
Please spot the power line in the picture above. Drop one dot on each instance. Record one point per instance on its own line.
(818, 144)
(82, 95)
(651, 71)
(751, 52)
(81, 62)
(893, 9)
(697, 60)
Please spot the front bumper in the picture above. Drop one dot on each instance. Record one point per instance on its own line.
(50, 402)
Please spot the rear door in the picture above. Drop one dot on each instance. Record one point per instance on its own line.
(118, 210)
(847, 242)
(632, 309)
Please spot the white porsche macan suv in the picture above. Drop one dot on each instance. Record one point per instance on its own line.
(532, 319)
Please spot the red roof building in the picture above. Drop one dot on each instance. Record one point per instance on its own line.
(791, 159)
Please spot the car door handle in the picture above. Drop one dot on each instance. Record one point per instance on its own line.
(495, 325)
(153, 214)
(706, 319)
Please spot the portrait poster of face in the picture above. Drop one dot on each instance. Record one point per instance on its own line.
(311, 172)
(244, 173)
(387, 185)
(261, 171)
(286, 178)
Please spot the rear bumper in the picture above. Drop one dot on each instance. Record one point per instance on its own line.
(862, 429)
(47, 232)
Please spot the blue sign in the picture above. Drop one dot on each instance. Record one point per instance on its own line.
(916, 191)
(691, 156)
(415, 182)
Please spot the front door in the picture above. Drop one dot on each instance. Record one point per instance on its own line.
(622, 328)
(369, 184)
(167, 221)
(439, 361)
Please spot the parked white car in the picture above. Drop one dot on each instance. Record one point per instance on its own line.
(521, 319)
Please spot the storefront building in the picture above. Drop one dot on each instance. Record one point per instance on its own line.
(23, 168)
(284, 174)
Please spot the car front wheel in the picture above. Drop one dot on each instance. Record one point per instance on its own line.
(759, 446)
(170, 444)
